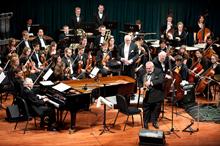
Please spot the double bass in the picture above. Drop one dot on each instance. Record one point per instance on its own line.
(202, 34)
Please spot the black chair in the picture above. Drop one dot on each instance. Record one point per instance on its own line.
(24, 113)
(125, 109)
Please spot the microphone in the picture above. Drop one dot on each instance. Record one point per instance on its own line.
(85, 87)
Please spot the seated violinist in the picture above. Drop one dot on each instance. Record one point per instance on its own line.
(80, 63)
(102, 58)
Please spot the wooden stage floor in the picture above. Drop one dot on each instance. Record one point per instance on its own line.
(89, 125)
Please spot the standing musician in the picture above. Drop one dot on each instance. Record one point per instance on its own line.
(167, 30)
(179, 35)
(77, 19)
(80, 63)
(153, 84)
(102, 59)
(141, 61)
(128, 55)
(201, 31)
(100, 17)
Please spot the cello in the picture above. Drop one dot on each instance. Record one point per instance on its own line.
(204, 80)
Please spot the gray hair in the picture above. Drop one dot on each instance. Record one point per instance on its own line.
(27, 81)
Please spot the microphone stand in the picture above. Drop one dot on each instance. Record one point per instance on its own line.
(172, 130)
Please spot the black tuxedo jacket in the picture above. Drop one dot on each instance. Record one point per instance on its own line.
(76, 24)
(133, 52)
(155, 92)
(98, 20)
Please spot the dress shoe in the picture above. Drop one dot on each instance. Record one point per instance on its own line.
(156, 125)
(145, 125)
(51, 128)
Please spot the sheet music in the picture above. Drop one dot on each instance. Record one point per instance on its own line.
(46, 83)
(2, 77)
(94, 72)
(48, 74)
(61, 87)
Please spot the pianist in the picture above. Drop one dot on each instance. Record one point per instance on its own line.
(38, 105)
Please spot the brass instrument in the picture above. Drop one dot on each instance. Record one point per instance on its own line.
(145, 88)
(107, 35)
(80, 32)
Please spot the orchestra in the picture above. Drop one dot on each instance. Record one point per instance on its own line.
(72, 57)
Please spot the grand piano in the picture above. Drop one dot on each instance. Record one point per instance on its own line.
(80, 93)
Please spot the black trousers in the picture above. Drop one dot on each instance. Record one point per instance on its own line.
(151, 111)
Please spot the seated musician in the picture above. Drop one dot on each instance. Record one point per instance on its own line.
(36, 55)
(51, 50)
(41, 39)
(162, 47)
(80, 63)
(64, 37)
(102, 58)
(199, 66)
(180, 68)
(68, 62)
(214, 69)
(38, 105)
(210, 44)
(187, 60)
(58, 67)
(179, 35)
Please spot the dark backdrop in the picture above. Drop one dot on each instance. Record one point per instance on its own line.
(55, 13)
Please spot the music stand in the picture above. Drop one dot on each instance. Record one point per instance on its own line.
(111, 25)
(131, 28)
(89, 27)
(105, 127)
(5, 24)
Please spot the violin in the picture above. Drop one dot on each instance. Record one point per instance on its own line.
(89, 63)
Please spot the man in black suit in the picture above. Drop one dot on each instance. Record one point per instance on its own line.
(128, 55)
(153, 85)
(100, 17)
(37, 104)
(77, 19)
